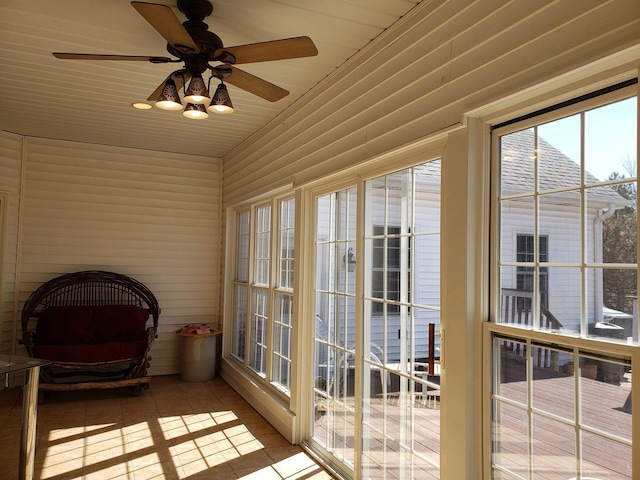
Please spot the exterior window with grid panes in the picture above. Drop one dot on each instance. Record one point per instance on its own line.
(525, 278)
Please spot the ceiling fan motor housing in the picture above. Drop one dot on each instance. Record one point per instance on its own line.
(208, 42)
(195, 9)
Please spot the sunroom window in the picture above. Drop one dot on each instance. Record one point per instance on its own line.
(262, 306)
(561, 367)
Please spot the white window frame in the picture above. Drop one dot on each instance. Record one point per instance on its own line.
(283, 290)
(271, 289)
(492, 328)
(423, 152)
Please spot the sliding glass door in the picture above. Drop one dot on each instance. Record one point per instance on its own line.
(377, 323)
(335, 329)
(401, 347)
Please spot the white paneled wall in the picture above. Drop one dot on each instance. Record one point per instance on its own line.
(10, 179)
(153, 216)
(444, 59)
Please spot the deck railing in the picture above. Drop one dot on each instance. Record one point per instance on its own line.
(517, 309)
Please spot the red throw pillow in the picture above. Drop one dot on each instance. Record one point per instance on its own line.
(119, 323)
(64, 325)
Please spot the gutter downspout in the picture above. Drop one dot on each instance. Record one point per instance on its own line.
(597, 245)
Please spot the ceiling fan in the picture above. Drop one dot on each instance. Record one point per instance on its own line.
(195, 46)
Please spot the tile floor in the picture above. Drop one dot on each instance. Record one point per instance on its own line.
(174, 430)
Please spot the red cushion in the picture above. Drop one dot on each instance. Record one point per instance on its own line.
(101, 352)
(65, 325)
(119, 323)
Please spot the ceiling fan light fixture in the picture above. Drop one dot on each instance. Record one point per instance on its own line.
(141, 105)
(197, 91)
(169, 98)
(191, 43)
(221, 102)
(197, 111)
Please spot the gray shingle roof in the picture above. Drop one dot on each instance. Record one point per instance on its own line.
(555, 170)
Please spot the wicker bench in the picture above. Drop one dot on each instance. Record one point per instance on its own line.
(96, 327)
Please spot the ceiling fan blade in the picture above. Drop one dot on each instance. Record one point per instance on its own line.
(255, 85)
(179, 77)
(164, 20)
(91, 56)
(266, 51)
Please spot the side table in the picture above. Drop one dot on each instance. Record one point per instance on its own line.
(31, 367)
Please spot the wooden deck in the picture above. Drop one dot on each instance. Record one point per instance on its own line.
(554, 456)
(388, 455)
(605, 427)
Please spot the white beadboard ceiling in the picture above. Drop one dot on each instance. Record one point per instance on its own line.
(90, 101)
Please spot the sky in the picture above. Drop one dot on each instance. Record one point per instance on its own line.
(610, 137)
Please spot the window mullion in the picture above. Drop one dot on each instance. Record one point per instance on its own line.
(583, 220)
(274, 245)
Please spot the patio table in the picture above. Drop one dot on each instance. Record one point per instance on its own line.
(31, 366)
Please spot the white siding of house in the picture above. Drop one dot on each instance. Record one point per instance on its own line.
(153, 216)
(425, 275)
(425, 270)
(561, 224)
(331, 273)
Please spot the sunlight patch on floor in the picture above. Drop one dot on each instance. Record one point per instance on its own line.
(176, 431)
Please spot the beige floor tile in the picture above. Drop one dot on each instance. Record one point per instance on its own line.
(109, 459)
(174, 430)
(198, 468)
(118, 471)
(142, 459)
(158, 471)
(297, 465)
(220, 472)
(62, 466)
(104, 450)
(264, 473)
